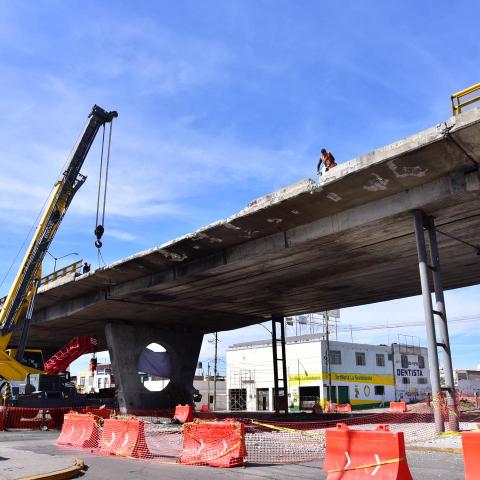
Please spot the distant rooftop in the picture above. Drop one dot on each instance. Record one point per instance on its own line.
(312, 337)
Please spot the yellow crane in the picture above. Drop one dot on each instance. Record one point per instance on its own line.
(16, 364)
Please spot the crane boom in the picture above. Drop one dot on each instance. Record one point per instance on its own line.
(23, 288)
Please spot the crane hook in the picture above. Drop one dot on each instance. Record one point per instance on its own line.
(99, 230)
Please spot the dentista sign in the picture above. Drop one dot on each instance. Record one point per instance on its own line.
(409, 372)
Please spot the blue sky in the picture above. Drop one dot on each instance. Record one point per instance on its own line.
(220, 102)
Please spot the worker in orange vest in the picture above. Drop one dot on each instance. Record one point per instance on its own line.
(326, 162)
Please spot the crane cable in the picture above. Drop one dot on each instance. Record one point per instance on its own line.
(100, 224)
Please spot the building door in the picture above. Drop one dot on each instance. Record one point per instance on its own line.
(308, 397)
(262, 399)
(343, 395)
(333, 394)
(238, 398)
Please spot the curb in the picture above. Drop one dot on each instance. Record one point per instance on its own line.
(74, 471)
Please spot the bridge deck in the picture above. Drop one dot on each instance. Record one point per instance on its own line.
(307, 247)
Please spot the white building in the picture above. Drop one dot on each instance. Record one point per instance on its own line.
(360, 374)
(412, 375)
(102, 378)
(467, 381)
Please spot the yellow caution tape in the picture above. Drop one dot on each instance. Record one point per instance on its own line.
(71, 472)
(290, 430)
(448, 434)
(370, 465)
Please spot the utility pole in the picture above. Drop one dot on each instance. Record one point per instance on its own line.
(208, 385)
(215, 374)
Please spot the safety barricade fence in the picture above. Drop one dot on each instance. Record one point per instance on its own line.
(99, 412)
(80, 430)
(471, 457)
(357, 454)
(398, 407)
(154, 436)
(216, 444)
(22, 418)
(183, 413)
(124, 437)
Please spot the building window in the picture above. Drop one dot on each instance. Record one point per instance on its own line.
(335, 357)
(82, 381)
(90, 381)
(99, 383)
(379, 389)
(422, 381)
(421, 361)
(404, 361)
(405, 380)
(462, 376)
(360, 359)
(380, 360)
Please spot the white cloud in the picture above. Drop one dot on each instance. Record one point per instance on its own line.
(121, 235)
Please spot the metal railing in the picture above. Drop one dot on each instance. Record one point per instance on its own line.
(62, 272)
(459, 99)
(75, 268)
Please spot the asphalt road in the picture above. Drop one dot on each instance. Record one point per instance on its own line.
(27, 453)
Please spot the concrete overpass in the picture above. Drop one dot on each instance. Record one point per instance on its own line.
(307, 247)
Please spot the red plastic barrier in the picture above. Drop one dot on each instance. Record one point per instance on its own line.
(2, 419)
(398, 407)
(125, 438)
(471, 458)
(183, 413)
(344, 408)
(79, 430)
(218, 444)
(360, 454)
(99, 412)
(204, 408)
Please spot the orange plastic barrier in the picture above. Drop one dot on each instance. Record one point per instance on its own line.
(217, 444)
(398, 407)
(79, 430)
(471, 458)
(125, 438)
(183, 413)
(204, 408)
(344, 408)
(360, 454)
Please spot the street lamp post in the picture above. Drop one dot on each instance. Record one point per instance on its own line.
(59, 258)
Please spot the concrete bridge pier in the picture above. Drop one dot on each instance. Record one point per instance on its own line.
(127, 342)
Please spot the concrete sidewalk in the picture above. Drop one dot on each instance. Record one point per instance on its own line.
(19, 460)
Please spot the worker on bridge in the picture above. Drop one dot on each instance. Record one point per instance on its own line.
(326, 162)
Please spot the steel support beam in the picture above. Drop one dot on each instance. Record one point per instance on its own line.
(441, 313)
(275, 365)
(429, 320)
(280, 402)
(284, 365)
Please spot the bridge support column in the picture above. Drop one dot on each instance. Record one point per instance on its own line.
(126, 343)
(280, 394)
(422, 222)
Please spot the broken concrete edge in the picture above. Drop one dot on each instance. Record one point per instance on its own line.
(357, 165)
(77, 469)
(307, 186)
(401, 147)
